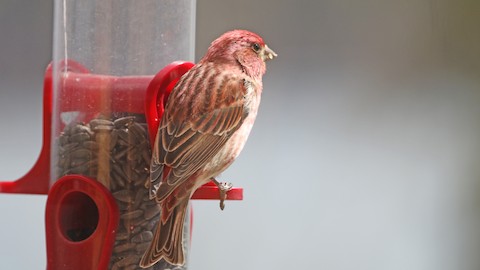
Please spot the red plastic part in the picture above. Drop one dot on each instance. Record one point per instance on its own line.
(158, 91)
(36, 181)
(81, 221)
(210, 191)
(136, 94)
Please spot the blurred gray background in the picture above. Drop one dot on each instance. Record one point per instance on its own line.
(365, 154)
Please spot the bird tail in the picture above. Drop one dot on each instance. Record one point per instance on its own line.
(167, 242)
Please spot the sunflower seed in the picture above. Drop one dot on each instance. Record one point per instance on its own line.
(132, 259)
(79, 137)
(142, 237)
(132, 215)
(124, 247)
(123, 121)
(100, 122)
(123, 195)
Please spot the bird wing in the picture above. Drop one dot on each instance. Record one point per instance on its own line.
(203, 111)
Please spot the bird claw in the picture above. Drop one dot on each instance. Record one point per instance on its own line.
(223, 187)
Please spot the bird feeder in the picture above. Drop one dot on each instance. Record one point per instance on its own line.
(114, 65)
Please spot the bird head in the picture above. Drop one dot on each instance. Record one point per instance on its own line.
(242, 49)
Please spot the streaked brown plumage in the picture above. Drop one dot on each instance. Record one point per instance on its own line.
(206, 123)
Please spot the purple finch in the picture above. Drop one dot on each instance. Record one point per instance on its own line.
(207, 120)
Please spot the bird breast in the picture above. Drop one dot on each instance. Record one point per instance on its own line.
(235, 144)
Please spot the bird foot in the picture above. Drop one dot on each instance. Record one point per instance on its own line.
(223, 187)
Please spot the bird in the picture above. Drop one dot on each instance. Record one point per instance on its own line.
(207, 120)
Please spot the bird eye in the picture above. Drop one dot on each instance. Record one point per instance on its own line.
(256, 47)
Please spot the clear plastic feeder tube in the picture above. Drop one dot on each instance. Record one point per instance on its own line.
(105, 55)
(124, 37)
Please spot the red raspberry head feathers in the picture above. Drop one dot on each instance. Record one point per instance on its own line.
(240, 49)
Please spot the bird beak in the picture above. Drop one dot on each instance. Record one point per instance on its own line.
(268, 54)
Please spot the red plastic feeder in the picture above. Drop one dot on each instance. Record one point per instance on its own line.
(85, 216)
